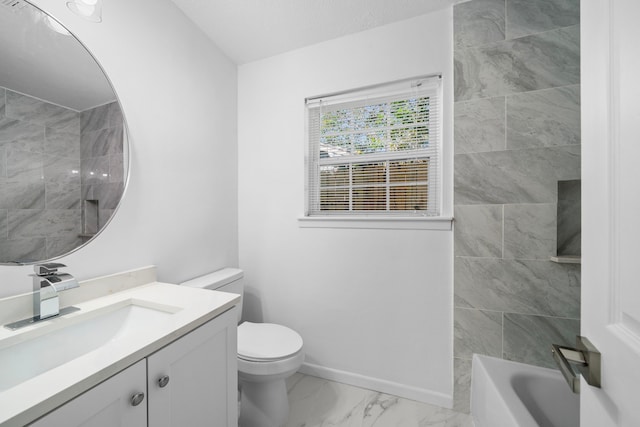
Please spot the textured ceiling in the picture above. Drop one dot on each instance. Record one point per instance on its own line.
(247, 30)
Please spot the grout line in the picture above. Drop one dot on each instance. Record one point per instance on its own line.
(470, 153)
(516, 313)
(502, 346)
(505, 124)
(506, 20)
(524, 92)
(490, 43)
(503, 206)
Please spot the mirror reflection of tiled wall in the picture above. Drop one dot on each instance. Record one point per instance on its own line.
(101, 154)
(42, 156)
(517, 133)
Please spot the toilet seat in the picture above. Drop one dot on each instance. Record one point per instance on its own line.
(267, 342)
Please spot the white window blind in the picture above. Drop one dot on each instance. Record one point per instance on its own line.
(375, 151)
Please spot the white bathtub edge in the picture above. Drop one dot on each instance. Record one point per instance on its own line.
(502, 409)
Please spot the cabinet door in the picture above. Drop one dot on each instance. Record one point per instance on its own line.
(201, 370)
(106, 405)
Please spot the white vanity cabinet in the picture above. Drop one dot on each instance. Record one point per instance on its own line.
(190, 382)
(107, 404)
(202, 374)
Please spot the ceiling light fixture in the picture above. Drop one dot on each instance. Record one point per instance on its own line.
(91, 10)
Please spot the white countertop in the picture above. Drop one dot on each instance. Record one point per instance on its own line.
(190, 308)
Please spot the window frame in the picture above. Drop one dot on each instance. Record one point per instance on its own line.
(398, 219)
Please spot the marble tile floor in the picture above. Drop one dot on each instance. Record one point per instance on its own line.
(316, 402)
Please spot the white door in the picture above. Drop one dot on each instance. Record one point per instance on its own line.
(110, 403)
(610, 40)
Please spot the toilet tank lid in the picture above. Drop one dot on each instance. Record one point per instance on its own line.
(219, 278)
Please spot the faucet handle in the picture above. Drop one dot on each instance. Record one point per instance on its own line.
(48, 268)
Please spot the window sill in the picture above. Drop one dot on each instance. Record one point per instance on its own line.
(400, 223)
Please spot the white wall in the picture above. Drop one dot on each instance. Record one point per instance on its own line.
(178, 93)
(373, 306)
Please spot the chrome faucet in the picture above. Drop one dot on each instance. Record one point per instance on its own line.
(47, 282)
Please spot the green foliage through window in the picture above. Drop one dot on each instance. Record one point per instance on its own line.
(375, 155)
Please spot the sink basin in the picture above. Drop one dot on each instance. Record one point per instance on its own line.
(63, 339)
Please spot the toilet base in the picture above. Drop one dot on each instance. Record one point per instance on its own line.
(263, 404)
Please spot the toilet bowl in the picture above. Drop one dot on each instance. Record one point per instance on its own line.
(267, 355)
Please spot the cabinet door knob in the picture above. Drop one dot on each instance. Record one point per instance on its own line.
(137, 399)
(163, 381)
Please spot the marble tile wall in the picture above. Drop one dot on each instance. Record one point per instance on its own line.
(517, 135)
(102, 140)
(39, 178)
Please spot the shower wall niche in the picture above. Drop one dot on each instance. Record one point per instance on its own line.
(569, 233)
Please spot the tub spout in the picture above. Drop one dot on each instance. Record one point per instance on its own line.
(585, 357)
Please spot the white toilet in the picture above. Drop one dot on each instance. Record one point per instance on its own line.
(267, 355)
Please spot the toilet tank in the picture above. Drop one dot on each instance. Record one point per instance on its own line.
(225, 280)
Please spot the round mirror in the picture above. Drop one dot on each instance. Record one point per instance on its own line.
(63, 143)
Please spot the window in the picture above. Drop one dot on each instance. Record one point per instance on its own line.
(375, 151)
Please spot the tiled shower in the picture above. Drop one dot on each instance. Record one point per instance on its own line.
(517, 141)
(52, 159)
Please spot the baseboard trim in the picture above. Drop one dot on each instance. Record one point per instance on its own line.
(376, 384)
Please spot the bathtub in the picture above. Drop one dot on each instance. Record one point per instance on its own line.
(510, 394)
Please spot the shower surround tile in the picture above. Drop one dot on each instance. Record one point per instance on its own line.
(479, 125)
(29, 223)
(61, 170)
(478, 230)
(61, 143)
(101, 142)
(102, 117)
(544, 118)
(4, 233)
(56, 246)
(3, 163)
(116, 168)
(478, 22)
(108, 194)
(530, 231)
(23, 250)
(62, 195)
(2, 102)
(17, 135)
(528, 339)
(540, 61)
(536, 70)
(21, 195)
(477, 331)
(95, 170)
(102, 163)
(24, 166)
(528, 17)
(26, 108)
(39, 142)
(104, 215)
(518, 286)
(514, 176)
